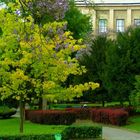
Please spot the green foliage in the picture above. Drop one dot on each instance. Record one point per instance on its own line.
(78, 23)
(29, 137)
(122, 64)
(6, 112)
(35, 59)
(82, 132)
(12, 103)
(93, 58)
(133, 124)
(25, 73)
(135, 95)
(57, 10)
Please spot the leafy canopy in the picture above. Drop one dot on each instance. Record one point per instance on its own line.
(35, 60)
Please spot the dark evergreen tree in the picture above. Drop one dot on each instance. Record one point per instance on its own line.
(122, 64)
(94, 60)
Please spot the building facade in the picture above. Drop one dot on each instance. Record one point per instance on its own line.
(111, 16)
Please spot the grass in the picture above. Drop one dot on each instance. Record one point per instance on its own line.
(62, 106)
(11, 127)
(133, 123)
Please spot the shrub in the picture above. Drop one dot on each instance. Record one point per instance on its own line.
(118, 117)
(29, 137)
(109, 116)
(27, 112)
(54, 117)
(131, 110)
(6, 112)
(81, 113)
(81, 132)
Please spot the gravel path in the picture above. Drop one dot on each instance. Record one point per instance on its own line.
(119, 134)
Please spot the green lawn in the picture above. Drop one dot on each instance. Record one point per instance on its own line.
(62, 106)
(133, 123)
(11, 127)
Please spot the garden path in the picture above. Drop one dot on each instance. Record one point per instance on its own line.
(110, 133)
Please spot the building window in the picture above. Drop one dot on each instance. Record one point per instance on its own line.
(102, 25)
(137, 22)
(120, 25)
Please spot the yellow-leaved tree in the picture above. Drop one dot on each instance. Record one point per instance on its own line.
(36, 59)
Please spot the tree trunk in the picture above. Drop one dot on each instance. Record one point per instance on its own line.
(103, 103)
(40, 103)
(21, 105)
(44, 104)
(121, 103)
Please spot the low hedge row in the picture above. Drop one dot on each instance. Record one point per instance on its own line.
(110, 116)
(52, 117)
(71, 132)
(103, 115)
(81, 113)
(82, 132)
(6, 112)
(131, 110)
(29, 137)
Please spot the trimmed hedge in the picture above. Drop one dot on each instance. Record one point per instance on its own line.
(71, 132)
(131, 110)
(82, 132)
(29, 137)
(110, 116)
(81, 113)
(6, 112)
(52, 117)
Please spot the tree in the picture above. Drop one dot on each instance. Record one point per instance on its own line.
(93, 58)
(35, 60)
(122, 64)
(78, 23)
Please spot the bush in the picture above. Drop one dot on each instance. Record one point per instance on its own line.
(27, 112)
(118, 117)
(131, 110)
(29, 137)
(54, 117)
(81, 113)
(6, 112)
(109, 116)
(81, 132)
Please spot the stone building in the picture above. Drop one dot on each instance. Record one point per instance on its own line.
(111, 16)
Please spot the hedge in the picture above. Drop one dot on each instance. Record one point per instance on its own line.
(131, 110)
(29, 137)
(82, 132)
(110, 116)
(52, 117)
(81, 113)
(71, 132)
(6, 112)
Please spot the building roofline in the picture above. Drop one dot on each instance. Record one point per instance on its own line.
(101, 3)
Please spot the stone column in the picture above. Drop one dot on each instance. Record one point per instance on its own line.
(111, 19)
(129, 18)
(94, 21)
